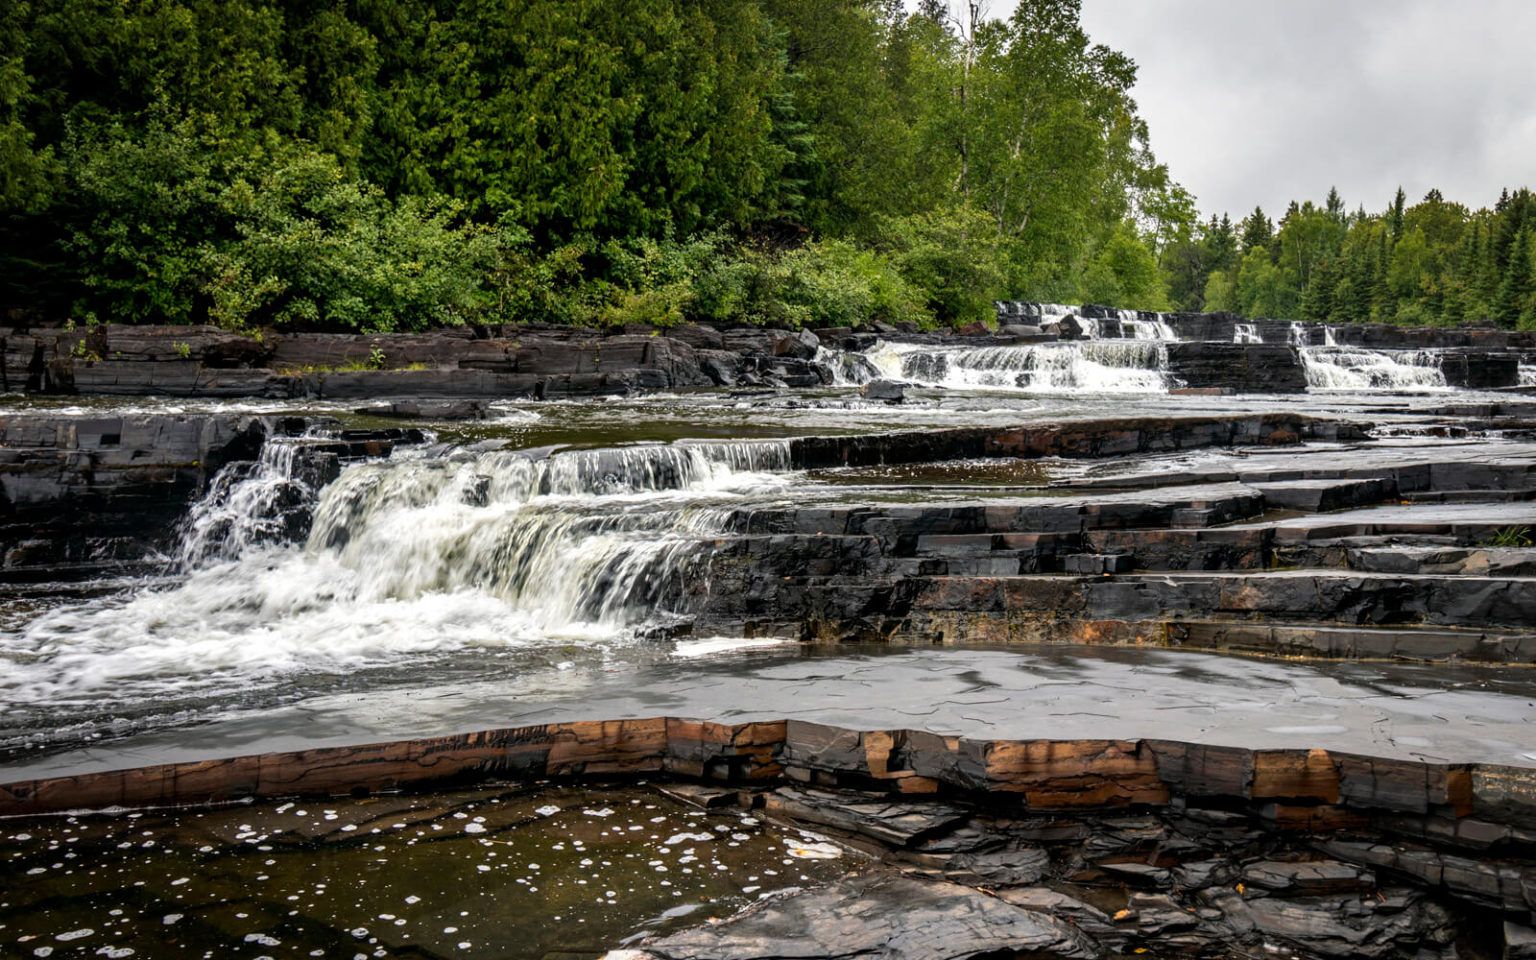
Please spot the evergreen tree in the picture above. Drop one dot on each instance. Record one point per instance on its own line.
(1335, 206)
(1513, 303)
(1257, 230)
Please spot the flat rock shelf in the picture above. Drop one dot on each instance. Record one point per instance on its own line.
(1109, 635)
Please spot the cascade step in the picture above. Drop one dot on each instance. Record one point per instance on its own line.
(1350, 643)
(1322, 495)
(1322, 597)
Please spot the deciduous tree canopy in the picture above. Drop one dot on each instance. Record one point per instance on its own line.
(404, 164)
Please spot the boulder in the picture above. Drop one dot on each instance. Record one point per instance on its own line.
(1020, 331)
(1070, 328)
(886, 391)
(798, 346)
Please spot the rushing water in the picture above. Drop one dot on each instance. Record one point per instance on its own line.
(1085, 366)
(408, 557)
(1355, 369)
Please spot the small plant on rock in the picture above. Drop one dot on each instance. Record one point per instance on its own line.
(1510, 537)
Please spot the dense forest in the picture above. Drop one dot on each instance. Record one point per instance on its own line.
(400, 164)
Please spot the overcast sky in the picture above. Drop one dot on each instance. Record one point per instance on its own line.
(1261, 101)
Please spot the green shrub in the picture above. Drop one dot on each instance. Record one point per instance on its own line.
(953, 258)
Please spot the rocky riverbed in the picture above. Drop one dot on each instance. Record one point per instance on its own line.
(1103, 634)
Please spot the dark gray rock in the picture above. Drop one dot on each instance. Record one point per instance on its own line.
(1086, 917)
(887, 391)
(1519, 942)
(799, 346)
(1013, 865)
(878, 916)
(430, 410)
(891, 822)
(1307, 877)
(1354, 926)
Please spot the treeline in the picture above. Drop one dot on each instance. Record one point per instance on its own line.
(361, 164)
(393, 165)
(1434, 262)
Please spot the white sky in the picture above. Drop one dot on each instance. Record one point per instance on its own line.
(1262, 101)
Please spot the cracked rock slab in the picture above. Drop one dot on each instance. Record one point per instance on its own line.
(876, 916)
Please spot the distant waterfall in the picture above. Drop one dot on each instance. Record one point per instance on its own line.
(1246, 333)
(1084, 366)
(1353, 368)
(1116, 325)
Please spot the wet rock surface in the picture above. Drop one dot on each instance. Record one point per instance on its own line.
(546, 870)
(940, 630)
(489, 873)
(549, 362)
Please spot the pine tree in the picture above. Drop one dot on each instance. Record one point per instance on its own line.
(1335, 206)
(1383, 305)
(1399, 202)
(1257, 230)
(1513, 301)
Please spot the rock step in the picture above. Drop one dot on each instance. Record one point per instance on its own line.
(1522, 495)
(1419, 473)
(1354, 643)
(1314, 496)
(841, 606)
(1084, 439)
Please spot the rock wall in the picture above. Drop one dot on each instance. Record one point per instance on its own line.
(78, 494)
(87, 490)
(550, 362)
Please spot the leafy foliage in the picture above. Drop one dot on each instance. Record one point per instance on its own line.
(1433, 262)
(397, 166)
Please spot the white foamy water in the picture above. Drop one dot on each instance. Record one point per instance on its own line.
(1084, 366)
(1246, 333)
(408, 558)
(714, 646)
(1357, 369)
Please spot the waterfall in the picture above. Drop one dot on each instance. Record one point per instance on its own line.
(1527, 375)
(1246, 333)
(1300, 336)
(413, 557)
(254, 502)
(1133, 325)
(1353, 368)
(1085, 366)
(849, 368)
(578, 536)
(1118, 324)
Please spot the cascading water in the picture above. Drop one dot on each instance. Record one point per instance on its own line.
(254, 502)
(1089, 366)
(1246, 333)
(1354, 368)
(1132, 325)
(1120, 324)
(417, 555)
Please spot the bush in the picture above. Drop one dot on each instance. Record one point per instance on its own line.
(953, 258)
(314, 248)
(833, 283)
(186, 230)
